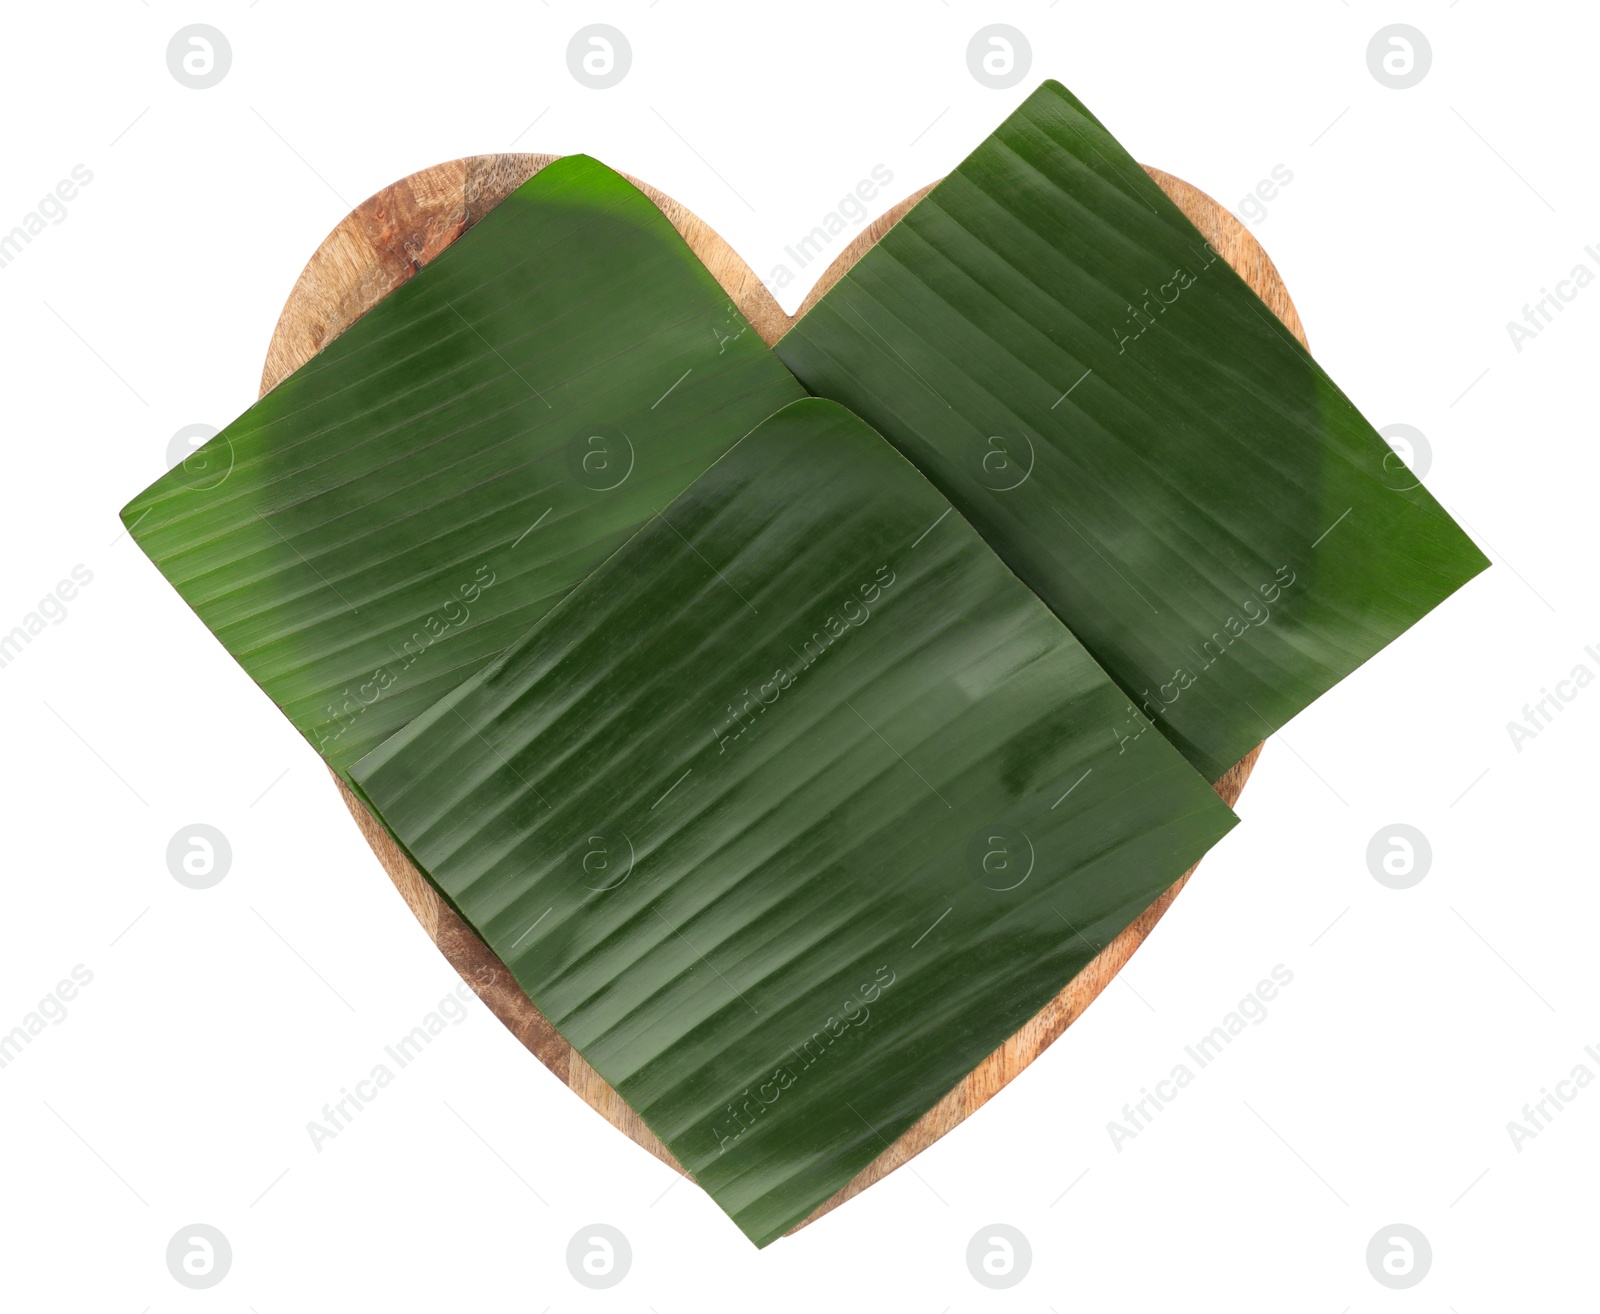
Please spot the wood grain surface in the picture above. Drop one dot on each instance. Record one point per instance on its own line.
(381, 244)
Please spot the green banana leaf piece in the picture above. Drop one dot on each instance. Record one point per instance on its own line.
(1054, 344)
(410, 501)
(793, 811)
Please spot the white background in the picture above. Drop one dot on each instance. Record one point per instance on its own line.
(1379, 1087)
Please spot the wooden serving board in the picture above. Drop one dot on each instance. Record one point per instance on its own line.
(381, 244)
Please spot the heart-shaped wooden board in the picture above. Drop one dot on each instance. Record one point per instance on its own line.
(381, 244)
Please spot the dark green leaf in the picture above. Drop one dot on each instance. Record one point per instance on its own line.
(1053, 343)
(793, 811)
(402, 507)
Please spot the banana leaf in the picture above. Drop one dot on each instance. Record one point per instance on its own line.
(793, 811)
(1055, 345)
(410, 501)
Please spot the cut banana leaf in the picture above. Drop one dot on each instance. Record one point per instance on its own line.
(409, 502)
(793, 811)
(1055, 345)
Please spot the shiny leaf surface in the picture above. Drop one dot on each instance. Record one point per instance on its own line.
(793, 811)
(1055, 345)
(411, 500)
